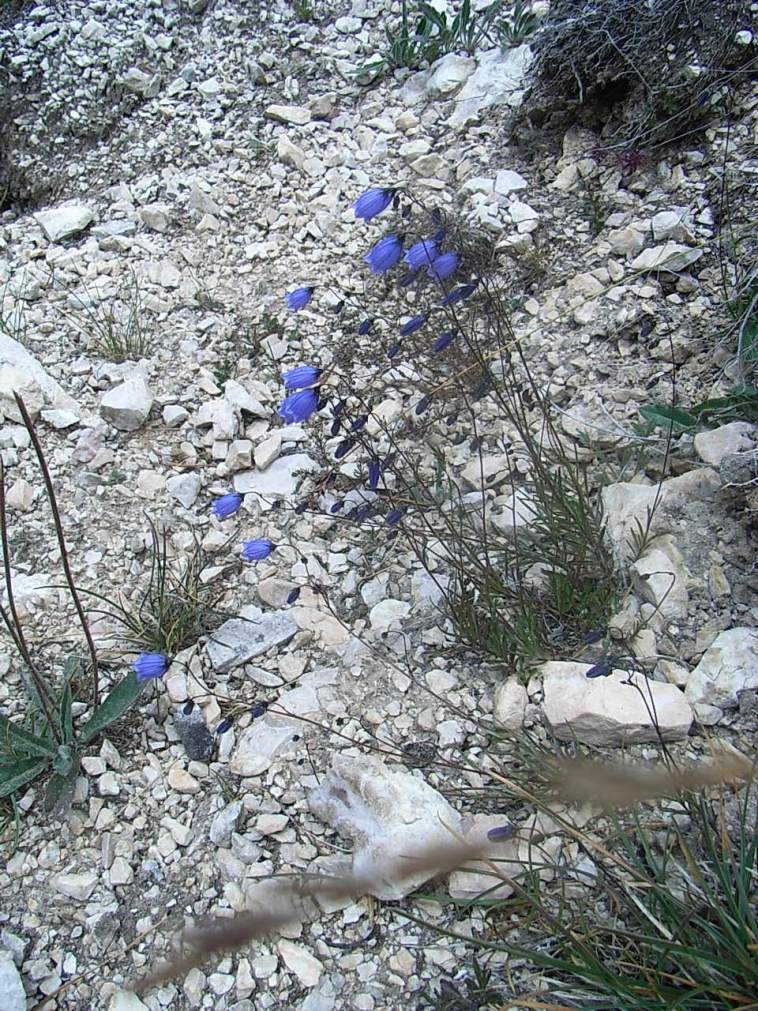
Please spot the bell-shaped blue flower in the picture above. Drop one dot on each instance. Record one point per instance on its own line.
(413, 324)
(300, 377)
(373, 202)
(299, 407)
(148, 666)
(459, 293)
(226, 505)
(443, 341)
(255, 551)
(443, 266)
(421, 254)
(384, 254)
(299, 298)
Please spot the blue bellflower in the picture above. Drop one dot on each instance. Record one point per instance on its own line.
(148, 666)
(226, 505)
(443, 341)
(299, 298)
(374, 473)
(459, 293)
(443, 266)
(384, 254)
(413, 324)
(421, 254)
(298, 407)
(256, 551)
(300, 377)
(373, 202)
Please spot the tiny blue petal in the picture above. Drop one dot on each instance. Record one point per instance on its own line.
(394, 517)
(421, 254)
(365, 327)
(413, 324)
(443, 341)
(226, 505)
(150, 665)
(373, 202)
(299, 407)
(393, 351)
(384, 254)
(255, 551)
(300, 377)
(293, 595)
(299, 298)
(459, 293)
(443, 266)
(422, 405)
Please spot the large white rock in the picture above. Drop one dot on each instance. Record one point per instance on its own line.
(254, 633)
(510, 704)
(660, 578)
(610, 711)
(60, 223)
(279, 480)
(449, 73)
(12, 994)
(670, 256)
(513, 858)
(728, 666)
(736, 437)
(500, 79)
(20, 372)
(127, 405)
(389, 814)
(279, 733)
(300, 961)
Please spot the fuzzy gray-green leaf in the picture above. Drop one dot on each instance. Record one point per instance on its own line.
(15, 774)
(14, 738)
(113, 706)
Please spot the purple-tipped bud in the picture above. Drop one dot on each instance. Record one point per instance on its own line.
(394, 517)
(413, 324)
(393, 351)
(501, 832)
(344, 447)
(443, 341)
(422, 405)
(594, 636)
(365, 326)
(459, 293)
(600, 670)
(374, 473)
(293, 595)
(224, 725)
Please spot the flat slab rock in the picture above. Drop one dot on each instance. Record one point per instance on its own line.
(609, 710)
(252, 634)
(279, 480)
(389, 813)
(729, 666)
(21, 372)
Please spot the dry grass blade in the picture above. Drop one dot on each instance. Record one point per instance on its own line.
(226, 934)
(620, 786)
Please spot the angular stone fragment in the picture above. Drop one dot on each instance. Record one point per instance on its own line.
(729, 666)
(60, 223)
(737, 437)
(12, 993)
(279, 480)
(612, 710)
(76, 886)
(670, 256)
(255, 632)
(127, 405)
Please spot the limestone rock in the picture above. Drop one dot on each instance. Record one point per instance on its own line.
(62, 222)
(12, 993)
(737, 437)
(20, 372)
(449, 73)
(670, 256)
(254, 633)
(510, 704)
(127, 405)
(279, 480)
(300, 961)
(607, 710)
(293, 114)
(728, 666)
(660, 578)
(387, 812)
(499, 79)
(388, 614)
(76, 886)
(184, 488)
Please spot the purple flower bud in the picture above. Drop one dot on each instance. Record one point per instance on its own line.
(501, 833)
(394, 517)
(422, 405)
(337, 507)
(255, 551)
(594, 636)
(413, 324)
(293, 595)
(148, 666)
(374, 473)
(359, 422)
(365, 327)
(226, 505)
(600, 670)
(393, 351)
(299, 298)
(344, 447)
(224, 725)
(459, 293)
(443, 341)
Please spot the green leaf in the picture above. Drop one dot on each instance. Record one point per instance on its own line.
(112, 707)
(669, 417)
(64, 759)
(16, 774)
(14, 738)
(60, 791)
(65, 719)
